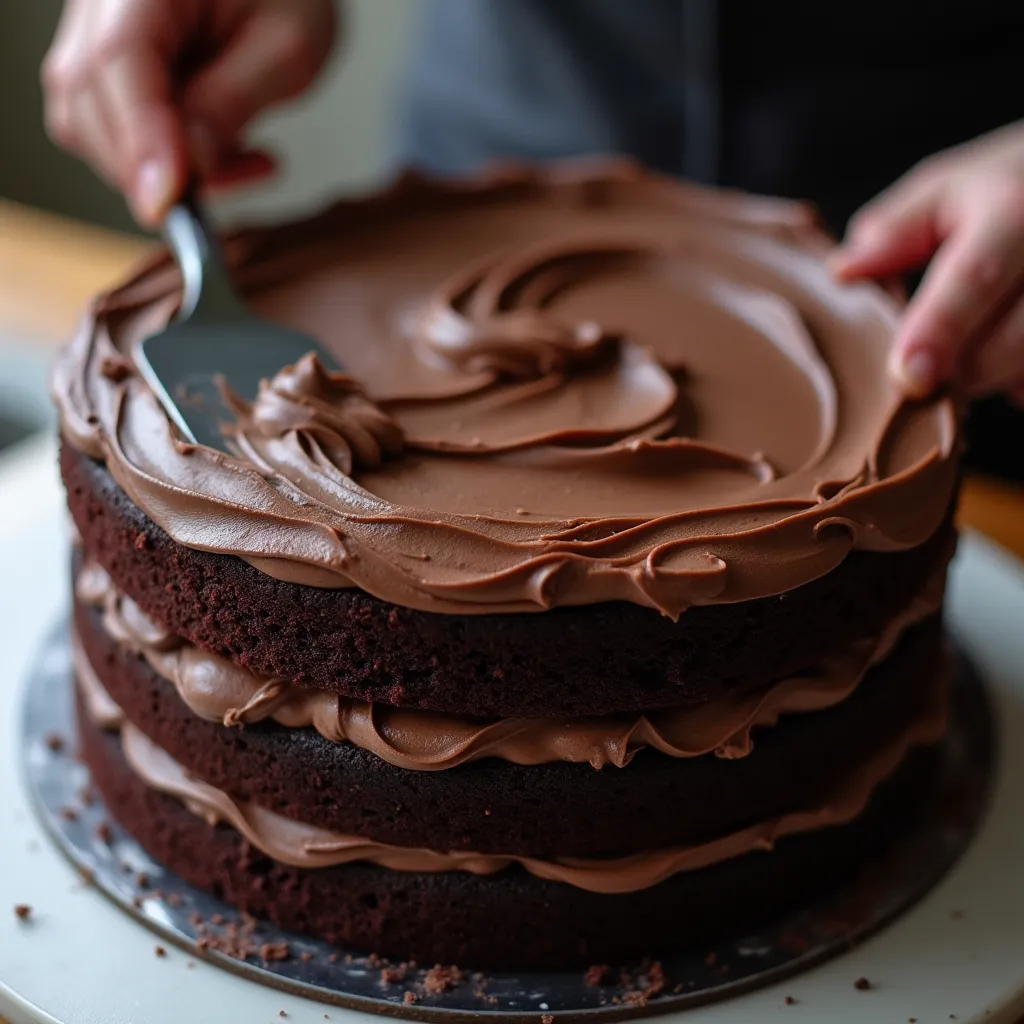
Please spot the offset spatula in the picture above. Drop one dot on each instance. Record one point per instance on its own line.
(215, 340)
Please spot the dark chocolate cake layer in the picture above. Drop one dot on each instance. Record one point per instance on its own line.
(582, 661)
(545, 810)
(511, 918)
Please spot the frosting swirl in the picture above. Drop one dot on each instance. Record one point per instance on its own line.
(219, 690)
(591, 385)
(329, 408)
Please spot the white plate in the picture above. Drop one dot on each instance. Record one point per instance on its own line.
(80, 961)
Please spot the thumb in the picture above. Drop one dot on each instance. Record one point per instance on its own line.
(892, 234)
(272, 58)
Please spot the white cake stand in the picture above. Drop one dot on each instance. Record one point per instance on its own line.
(959, 954)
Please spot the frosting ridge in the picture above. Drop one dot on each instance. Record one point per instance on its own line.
(305, 846)
(218, 690)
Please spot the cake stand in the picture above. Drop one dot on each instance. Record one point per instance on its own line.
(957, 955)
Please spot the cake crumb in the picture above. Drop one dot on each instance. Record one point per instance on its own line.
(547, 1018)
(22, 911)
(69, 814)
(275, 951)
(137, 902)
(790, 1001)
(86, 796)
(597, 974)
(217, 919)
(282, 1013)
(305, 956)
(862, 985)
(142, 880)
(55, 742)
(104, 833)
(392, 975)
(141, 542)
(87, 875)
(160, 951)
(173, 899)
(441, 979)
(332, 958)
(190, 964)
(654, 980)
(409, 998)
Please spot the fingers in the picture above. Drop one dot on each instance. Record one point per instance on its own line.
(63, 73)
(109, 97)
(96, 140)
(242, 168)
(112, 97)
(895, 233)
(137, 92)
(273, 57)
(997, 364)
(973, 273)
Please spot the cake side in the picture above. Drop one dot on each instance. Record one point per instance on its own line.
(596, 660)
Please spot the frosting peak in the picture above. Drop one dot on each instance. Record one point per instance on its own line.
(329, 408)
(594, 385)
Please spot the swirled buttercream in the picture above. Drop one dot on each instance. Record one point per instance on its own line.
(561, 388)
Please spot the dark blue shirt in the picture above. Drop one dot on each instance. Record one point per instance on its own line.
(807, 98)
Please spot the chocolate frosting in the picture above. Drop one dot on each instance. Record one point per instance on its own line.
(562, 387)
(219, 690)
(308, 846)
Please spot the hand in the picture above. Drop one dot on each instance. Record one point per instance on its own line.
(963, 210)
(149, 90)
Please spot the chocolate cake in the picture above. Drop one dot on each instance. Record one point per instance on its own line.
(593, 610)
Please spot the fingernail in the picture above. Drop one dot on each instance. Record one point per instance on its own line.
(203, 149)
(154, 191)
(915, 373)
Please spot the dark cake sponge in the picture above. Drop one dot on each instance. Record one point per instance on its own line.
(509, 919)
(538, 810)
(591, 660)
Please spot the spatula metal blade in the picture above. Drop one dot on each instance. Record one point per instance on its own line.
(189, 364)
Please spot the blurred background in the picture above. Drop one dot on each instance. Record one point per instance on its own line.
(337, 139)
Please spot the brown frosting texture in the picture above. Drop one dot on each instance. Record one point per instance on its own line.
(307, 846)
(218, 690)
(561, 388)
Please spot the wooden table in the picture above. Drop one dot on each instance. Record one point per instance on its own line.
(49, 266)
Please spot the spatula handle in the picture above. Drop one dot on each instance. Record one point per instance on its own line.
(207, 292)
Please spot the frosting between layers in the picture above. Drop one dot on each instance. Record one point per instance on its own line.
(306, 846)
(218, 690)
(563, 388)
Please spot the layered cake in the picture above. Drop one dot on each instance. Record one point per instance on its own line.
(592, 611)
